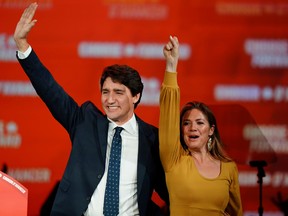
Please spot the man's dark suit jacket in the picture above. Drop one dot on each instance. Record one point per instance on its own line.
(88, 128)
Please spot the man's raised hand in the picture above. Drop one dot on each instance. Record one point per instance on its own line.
(24, 26)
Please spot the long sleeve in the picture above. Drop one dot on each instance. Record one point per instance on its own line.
(60, 104)
(235, 205)
(169, 129)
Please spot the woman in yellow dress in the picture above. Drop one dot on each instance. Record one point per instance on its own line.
(202, 180)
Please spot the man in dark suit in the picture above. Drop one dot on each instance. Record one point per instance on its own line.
(82, 187)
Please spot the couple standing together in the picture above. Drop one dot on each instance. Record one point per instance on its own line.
(186, 153)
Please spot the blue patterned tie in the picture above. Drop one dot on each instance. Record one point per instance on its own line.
(111, 200)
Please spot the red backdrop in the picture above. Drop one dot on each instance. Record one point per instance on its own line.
(234, 57)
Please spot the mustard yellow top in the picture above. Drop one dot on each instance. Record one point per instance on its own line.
(189, 192)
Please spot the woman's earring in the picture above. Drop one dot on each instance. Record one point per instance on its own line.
(209, 144)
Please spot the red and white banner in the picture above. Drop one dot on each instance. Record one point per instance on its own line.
(13, 197)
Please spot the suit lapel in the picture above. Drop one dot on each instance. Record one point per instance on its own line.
(102, 131)
(143, 153)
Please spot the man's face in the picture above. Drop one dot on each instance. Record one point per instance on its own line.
(117, 101)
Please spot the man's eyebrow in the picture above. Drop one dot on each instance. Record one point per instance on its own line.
(119, 90)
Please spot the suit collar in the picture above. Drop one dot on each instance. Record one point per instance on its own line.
(144, 152)
(102, 127)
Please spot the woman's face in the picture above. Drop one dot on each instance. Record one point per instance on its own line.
(196, 130)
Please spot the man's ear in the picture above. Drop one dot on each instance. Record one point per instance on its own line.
(136, 98)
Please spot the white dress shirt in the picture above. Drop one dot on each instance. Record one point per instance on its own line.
(128, 205)
(23, 55)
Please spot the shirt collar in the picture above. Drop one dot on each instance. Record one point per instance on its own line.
(130, 126)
